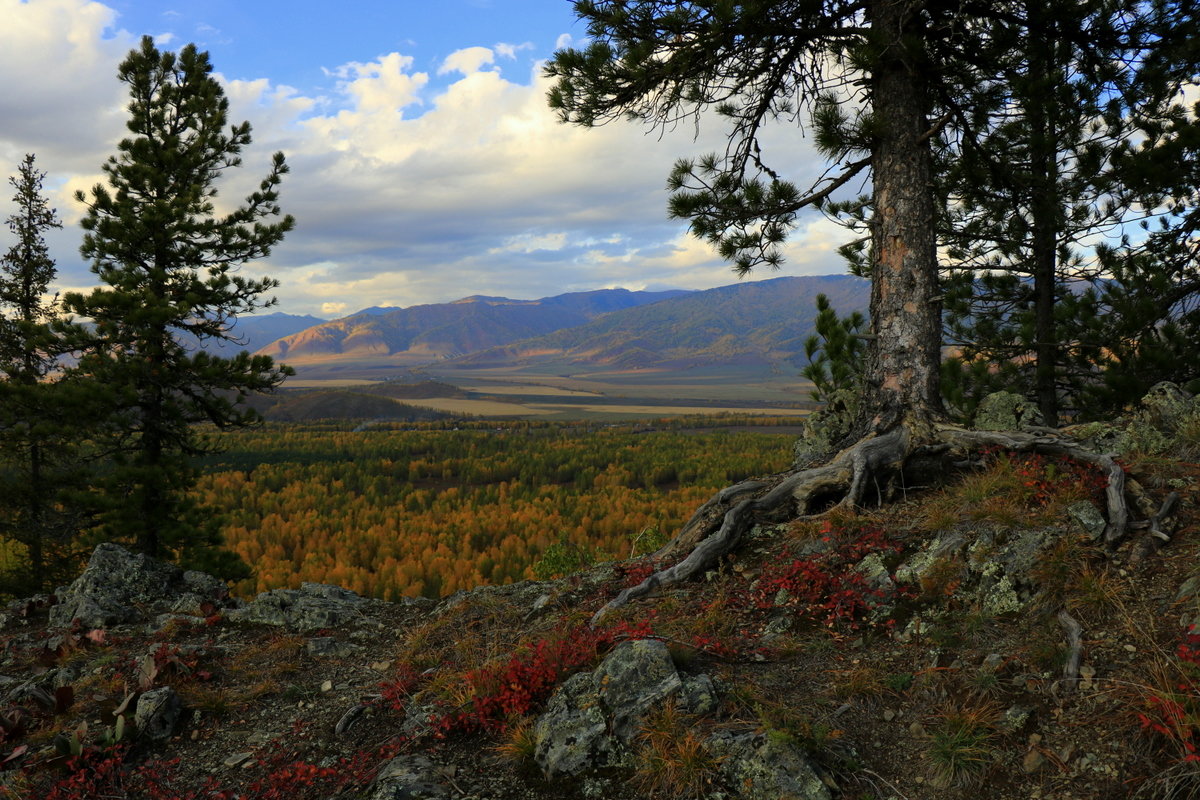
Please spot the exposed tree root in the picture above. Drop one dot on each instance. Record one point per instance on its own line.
(1156, 525)
(718, 526)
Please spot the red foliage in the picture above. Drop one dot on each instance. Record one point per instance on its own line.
(636, 573)
(515, 687)
(1176, 717)
(1045, 476)
(825, 587)
(395, 693)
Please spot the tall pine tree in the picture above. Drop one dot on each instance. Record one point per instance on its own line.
(168, 260)
(39, 454)
(1033, 179)
(902, 67)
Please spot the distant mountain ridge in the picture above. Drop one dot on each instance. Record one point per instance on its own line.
(257, 331)
(757, 323)
(425, 333)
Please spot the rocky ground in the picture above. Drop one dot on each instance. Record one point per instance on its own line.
(972, 639)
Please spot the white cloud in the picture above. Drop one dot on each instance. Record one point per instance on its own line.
(333, 309)
(383, 85)
(531, 243)
(467, 60)
(404, 192)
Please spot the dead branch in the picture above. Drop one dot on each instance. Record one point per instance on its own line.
(1075, 652)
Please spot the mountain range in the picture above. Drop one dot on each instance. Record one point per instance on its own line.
(425, 333)
(756, 323)
(254, 332)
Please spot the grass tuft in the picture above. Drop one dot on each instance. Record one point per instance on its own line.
(960, 749)
(670, 760)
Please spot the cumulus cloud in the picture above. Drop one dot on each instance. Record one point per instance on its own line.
(468, 60)
(405, 191)
(506, 50)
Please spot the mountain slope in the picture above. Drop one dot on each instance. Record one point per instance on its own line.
(258, 331)
(432, 332)
(755, 323)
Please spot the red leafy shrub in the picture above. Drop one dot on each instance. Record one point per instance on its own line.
(825, 587)
(512, 688)
(394, 694)
(1172, 708)
(1045, 477)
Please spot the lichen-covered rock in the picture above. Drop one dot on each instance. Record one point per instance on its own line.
(1005, 411)
(572, 737)
(989, 567)
(761, 767)
(312, 607)
(699, 695)
(593, 718)
(632, 679)
(825, 429)
(119, 586)
(1165, 422)
(157, 714)
(943, 546)
(1089, 518)
(329, 647)
(408, 777)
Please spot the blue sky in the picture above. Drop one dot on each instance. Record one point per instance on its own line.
(425, 165)
(298, 43)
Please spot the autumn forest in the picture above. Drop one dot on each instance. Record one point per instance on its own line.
(431, 508)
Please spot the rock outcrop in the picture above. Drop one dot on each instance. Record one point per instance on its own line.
(312, 607)
(121, 587)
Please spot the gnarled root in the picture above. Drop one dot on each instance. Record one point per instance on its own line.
(793, 495)
(718, 526)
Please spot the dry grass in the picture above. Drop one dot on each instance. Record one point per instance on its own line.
(857, 682)
(477, 631)
(961, 745)
(518, 742)
(670, 759)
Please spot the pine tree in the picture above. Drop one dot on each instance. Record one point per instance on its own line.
(1145, 314)
(1036, 177)
(168, 261)
(38, 434)
(763, 62)
(896, 74)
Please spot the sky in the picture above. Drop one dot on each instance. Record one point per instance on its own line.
(425, 163)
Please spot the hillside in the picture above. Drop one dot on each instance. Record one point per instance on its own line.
(378, 401)
(426, 333)
(917, 650)
(254, 332)
(757, 323)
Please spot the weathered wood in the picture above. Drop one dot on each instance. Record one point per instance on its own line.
(1074, 649)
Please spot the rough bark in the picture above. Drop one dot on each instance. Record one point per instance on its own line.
(902, 370)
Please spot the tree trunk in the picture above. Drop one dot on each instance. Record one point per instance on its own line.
(902, 372)
(1045, 205)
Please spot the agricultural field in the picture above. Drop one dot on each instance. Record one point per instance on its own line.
(543, 396)
(430, 508)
